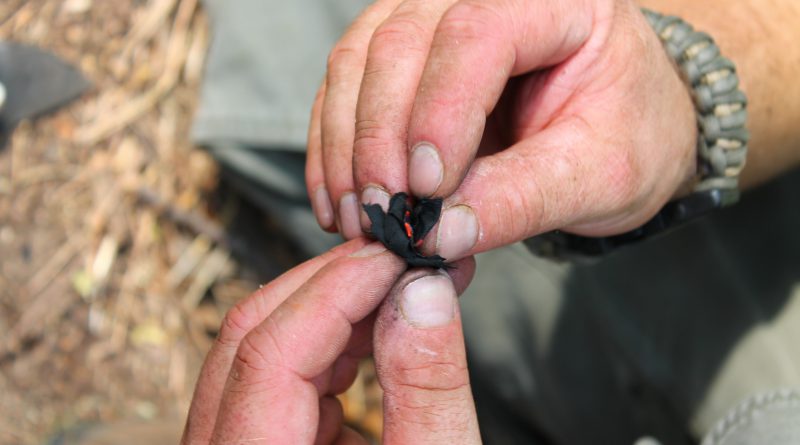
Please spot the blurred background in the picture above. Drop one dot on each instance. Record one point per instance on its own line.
(120, 247)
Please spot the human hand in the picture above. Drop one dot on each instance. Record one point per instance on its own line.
(527, 116)
(283, 354)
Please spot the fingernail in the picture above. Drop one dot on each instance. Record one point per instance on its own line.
(457, 233)
(425, 170)
(429, 301)
(323, 209)
(348, 215)
(372, 195)
(369, 250)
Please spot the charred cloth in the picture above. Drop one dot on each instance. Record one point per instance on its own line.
(403, 227)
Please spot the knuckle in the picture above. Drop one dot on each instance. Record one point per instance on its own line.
(235, 326)
(371, 135)
(403, 31)
(250, 355)
(470, 20)
(341, 60)
(375, 147)
(249, 365)
(257, 358)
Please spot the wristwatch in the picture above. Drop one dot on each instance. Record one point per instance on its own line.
(721, 109)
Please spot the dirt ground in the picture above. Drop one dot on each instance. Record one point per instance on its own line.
(116, 258)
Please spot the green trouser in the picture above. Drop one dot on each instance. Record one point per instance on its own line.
(660, 339)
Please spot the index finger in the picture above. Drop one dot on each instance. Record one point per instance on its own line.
(269, 394)
(477, 47)
(239, 320)
(386, 97)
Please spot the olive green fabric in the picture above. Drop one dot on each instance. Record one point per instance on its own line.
(658, 339)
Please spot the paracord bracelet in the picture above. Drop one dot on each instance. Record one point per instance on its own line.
(721, 142)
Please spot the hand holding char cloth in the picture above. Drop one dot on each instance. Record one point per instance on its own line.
(402, 228)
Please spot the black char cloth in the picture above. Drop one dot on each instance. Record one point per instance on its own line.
(402, 228)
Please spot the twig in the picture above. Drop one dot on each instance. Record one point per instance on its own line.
(149, 24)
(45, 172)
(200, 225)
(54, 265)
(195, 60)
(193, 221)
(177, 51)
(211, 268)
(8, 22)
(188, 260)
(47, 306)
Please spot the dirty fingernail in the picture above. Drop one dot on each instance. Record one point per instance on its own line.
(323, 209)
(425, 170)
(348, 215)
(457, 233)
(429, 301)
(372, 195)
(369, 250)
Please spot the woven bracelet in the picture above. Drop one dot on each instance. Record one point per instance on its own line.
(722, 138)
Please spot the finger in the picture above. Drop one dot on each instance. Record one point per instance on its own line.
(337, 120)
(315, 174)
(386, 97)
(421, 363)
(477, 47)
(350, 437)
(270, 383)
(331, 416)
(345, 369)
(243, 317)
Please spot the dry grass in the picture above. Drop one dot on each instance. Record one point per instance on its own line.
(115, 267)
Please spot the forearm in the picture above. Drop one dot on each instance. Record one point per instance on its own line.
(760, 37)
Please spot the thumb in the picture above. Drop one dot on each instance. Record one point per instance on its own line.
(560, 178)
(422, 366)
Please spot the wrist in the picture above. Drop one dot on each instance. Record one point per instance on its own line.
(721, 112)
(761, 40)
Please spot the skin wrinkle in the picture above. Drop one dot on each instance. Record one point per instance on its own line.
(374, 135)
(334, 349)
(412, 404)
(360, 305)
(532, 215)
(584, 56)
(435, 377)
(568, 77)
(234, 327)
(435, 367)
(238, 384)
(252, 355)
(394, 34)
(431, 416)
